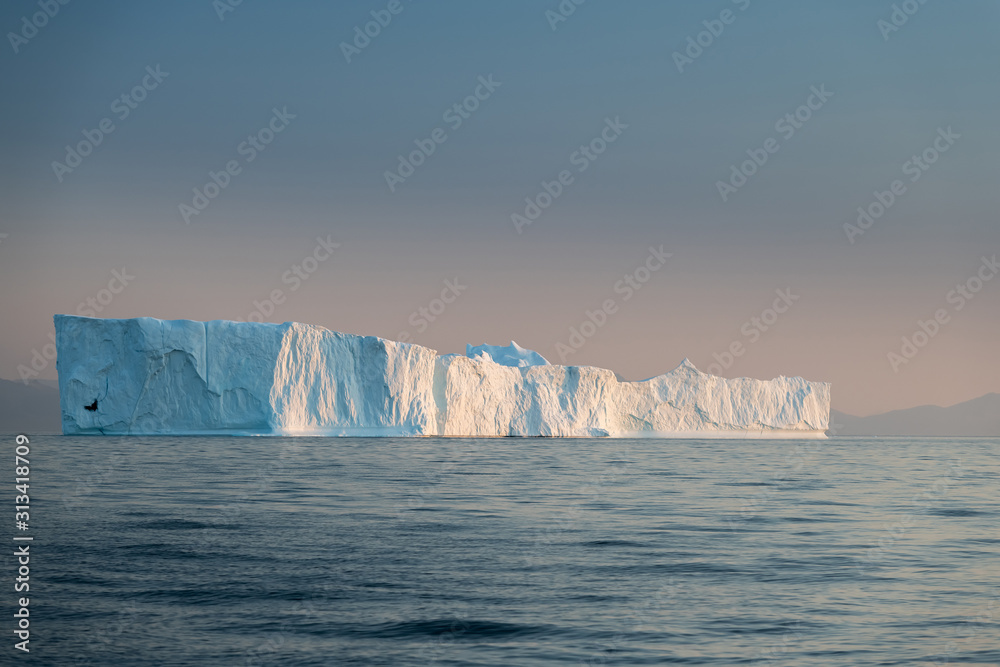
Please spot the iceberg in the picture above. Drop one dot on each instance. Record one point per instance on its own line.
(146, 376)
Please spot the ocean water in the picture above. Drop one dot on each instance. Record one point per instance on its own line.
(349, 551)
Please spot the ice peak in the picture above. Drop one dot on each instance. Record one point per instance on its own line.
(511, 355)
(687, 364)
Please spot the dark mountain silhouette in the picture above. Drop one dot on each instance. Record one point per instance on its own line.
(29, 408)
(978, 417)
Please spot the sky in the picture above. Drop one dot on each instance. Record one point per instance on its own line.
(615, 184)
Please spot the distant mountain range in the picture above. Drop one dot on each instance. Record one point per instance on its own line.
(34, 408)
(29, 408)
(978, 417)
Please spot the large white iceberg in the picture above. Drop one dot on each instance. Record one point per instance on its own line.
(149, 376)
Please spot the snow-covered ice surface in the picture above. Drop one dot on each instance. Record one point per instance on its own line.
(512, 355)
(150, 376)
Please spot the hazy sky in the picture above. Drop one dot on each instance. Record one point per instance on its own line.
(200, 92)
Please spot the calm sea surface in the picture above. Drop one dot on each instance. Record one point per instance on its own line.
(350, 551)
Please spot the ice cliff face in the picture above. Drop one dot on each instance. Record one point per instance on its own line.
(149, 376)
